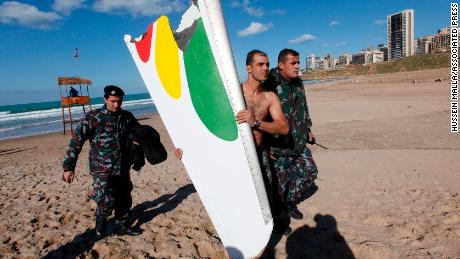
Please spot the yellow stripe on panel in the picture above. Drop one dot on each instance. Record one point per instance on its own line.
(167, 58)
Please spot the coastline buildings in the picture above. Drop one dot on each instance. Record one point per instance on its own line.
(401, 44)
(424, 44)
(439, 42)
(311, 62)
(318, 63)
(343, 61)
(322, 64)
(383, 49)
(401, 34)
(367, 56)
(329, 59)
(358, 58)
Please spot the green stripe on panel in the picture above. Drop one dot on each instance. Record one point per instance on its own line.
(206, 88)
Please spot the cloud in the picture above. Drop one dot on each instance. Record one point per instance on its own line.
(279, 11)
(139, 7)
(302, 39)
(12, 12)
(258, 12)
(334, 23)
(254, 28)
(247, 8)
(379, 22)
(67, 6)
(340, 44)
(235, 4)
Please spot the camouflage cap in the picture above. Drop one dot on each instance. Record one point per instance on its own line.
(113, 90)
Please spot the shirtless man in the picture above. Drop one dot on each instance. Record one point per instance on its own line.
(264, 115)
(260, 102)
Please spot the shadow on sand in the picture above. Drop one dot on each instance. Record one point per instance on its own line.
(141, 213)
(269, 251)
(322, 241)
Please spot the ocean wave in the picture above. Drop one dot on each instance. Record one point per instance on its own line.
(57, 112)
(137, 102)
(37, 114)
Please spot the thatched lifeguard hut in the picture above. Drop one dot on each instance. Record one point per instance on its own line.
(71, 97)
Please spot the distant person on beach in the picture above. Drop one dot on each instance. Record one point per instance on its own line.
(73, 92)
(106, 129)
(265, 116)
(290, 157)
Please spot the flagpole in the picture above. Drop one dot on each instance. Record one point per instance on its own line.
(76, 61)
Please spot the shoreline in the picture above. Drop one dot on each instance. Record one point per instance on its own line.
(140, 118)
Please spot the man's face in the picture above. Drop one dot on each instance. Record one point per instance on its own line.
(290, 68)
(113, 103)
(258, 69)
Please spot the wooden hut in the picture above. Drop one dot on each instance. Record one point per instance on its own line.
(71, 97)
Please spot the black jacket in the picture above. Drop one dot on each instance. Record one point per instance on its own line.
(149, 147)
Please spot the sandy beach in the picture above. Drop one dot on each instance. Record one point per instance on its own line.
(387, 187)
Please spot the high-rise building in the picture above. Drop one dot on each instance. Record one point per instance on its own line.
(311, 62)
(358, 58)
(367, 57)
(383, 49)
(344, 60)
(435, 43)
(401, 34)
(375, 56)
(424, 44)
(441, 41)
(321, 64)
(330, 61)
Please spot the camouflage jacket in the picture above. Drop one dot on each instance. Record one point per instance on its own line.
(294, 105)
(107, 134)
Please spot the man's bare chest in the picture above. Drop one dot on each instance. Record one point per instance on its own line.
(259, 106)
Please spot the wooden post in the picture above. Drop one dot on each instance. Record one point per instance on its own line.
(70, 121)
(63, 118)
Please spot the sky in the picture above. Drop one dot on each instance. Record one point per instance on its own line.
(38, 38)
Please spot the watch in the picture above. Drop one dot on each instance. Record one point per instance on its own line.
(256, 124)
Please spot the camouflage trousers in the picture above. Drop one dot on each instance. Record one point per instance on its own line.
(262, 155)
(294, 175)
(271, 186)
(112, 192)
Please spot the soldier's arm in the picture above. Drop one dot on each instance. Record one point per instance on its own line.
(309, 122)
(82, 132)
(279, 125)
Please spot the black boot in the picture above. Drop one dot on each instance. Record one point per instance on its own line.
(293, 211)
(101, 226)
(123, 228)
(282, 229)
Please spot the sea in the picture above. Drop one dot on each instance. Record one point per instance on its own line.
(22, 120)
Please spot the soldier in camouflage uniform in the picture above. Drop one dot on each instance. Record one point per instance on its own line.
(106, 129)
(291, 158)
